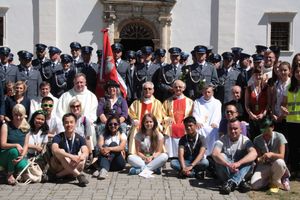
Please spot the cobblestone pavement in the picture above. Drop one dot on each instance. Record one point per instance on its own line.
(122, 186)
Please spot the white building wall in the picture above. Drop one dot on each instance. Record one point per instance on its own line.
(191, 24)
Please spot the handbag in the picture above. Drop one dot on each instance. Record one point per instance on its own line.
(32, 173)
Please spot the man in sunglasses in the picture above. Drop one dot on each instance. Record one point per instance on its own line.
(53, 122)
(45, 91)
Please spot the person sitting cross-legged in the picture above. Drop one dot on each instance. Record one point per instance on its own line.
(271, 169)
(69, 152)
(149, 148)
(234, 155)
(191, 160)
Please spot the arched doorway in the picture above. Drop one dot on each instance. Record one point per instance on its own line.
(135, 35)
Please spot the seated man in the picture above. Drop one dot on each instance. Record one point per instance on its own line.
(191, 160)
(234, 154)
(69, 152)
(271, 169)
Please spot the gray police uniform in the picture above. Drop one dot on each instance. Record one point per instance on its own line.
(142, 74)
(38, 63)
(195, 74)
(8, 74)
(32, 78)
(166, 77)
(227, 79)
(62, 81)
(48, 69)
(122, 68)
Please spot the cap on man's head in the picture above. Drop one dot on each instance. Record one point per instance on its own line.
(99, 52)
(65, 58)
(111, 83)
(130, 54)
(200, 49)
(257, 57)
(174, 51)
(86, 50)
(244, 56)
(147, 50)
(53, 50)
(4, 51)
(75, 45)
(227, 55)
(236, 50)
(184, 56)
(20, 53)
(214, 58)
(40, 47)
(275, 49)
(160, 52)
(117, 47)
(25, 55)
(260, 48)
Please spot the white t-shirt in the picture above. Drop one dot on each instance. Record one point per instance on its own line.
(108, 139)
(37, 139)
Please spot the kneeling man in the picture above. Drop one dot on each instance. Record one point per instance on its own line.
(69, 151)
(234, 155)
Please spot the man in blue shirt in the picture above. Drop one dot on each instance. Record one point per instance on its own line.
(69, 151)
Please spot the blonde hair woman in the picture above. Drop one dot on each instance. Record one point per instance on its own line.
(14, 143)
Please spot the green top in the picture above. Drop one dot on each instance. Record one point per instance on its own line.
(15, 135)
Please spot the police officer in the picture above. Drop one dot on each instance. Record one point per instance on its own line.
(76, 52)
(227, 75)
(121, 65)
(40, 56)
(131, 59)
(27, 73)
(199, 74)
(245, 69)
(167, 75)
(215, 59)
(236, 55)
(89, 68)
(8, 72)
(63, 79)
(160, 57)
(144, 71)
(184, 56)
(48, 68)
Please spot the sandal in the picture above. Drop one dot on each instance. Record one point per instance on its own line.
(11, 180)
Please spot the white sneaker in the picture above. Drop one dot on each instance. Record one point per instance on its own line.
(103, 174)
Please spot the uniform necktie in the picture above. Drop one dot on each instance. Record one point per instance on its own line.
(246, 75)
(175, 69)
(53, 65)
(5, 68)
(27, 71)
(66, 75)
(226, 72)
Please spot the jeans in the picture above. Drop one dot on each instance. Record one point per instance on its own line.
(113, 162)
(225, 174)
(138, 162)
(200, 166)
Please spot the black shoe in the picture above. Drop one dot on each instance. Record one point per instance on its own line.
(227, 187)
(200, 175)
(244, 187)
(82, 181)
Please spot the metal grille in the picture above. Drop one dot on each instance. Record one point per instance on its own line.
(136, 31)
(280, 35)
(1, 31)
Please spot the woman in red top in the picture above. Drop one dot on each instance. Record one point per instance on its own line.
(256, 102)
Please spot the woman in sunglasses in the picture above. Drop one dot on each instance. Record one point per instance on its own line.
(149, 148)
(112, 148)
(84, 127)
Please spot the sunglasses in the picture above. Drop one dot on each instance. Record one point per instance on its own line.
(75, 106)
(113, 124)
(47, 105)
(230, 112)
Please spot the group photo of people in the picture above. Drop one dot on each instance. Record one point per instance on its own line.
(232, 116)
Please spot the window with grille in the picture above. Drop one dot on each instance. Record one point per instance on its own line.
(1, 31)
(280, 35)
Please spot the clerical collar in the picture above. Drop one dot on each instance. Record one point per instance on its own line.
(178, 97)
(147, 100)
